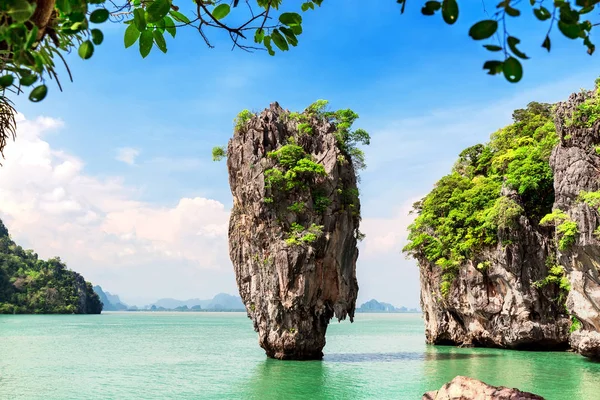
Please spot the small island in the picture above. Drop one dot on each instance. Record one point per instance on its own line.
(29, 285)
(374, 306)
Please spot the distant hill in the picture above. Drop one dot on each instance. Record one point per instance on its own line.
(221, 302)
(374, 306)
(29, 285)
(111, 302)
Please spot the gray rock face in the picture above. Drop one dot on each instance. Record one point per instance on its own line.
(292, 290)
(498, 307)
(576, 166)
(464, 388)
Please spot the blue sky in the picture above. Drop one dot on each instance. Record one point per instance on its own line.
(417, 84)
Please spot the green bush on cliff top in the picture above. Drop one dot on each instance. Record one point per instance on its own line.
(465, 209)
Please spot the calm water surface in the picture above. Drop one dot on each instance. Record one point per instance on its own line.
(216, 356)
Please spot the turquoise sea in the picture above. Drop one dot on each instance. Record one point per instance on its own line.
(216, 356)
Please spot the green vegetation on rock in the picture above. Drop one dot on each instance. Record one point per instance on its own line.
(565, 227)
(218, 153)
(462, 215)
(242, 119)
(592, 199)
(30, 285)
(587, 112)
(557, 276)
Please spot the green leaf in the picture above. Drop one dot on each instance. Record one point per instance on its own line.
(569, 30)
(590, 46)
(28, 80)
(97, 36)
(483, 29)
(307, 5)
(259, 35)
(289, 36)
(160, 41)
(86, 49)
(99, 16)
(585, 26)
(492, 47)
(160, 25)
(77, 17)
(279, 40)
(177, 16)
(139, 19)
(79, 26)
(221, 11)
(431, 7)
(494, 67)
(568, 15)
(64, 6)
(542, 13)
(546, 43)
(20, 10)
(297, 29)
(512, 44)
(38, 93)
(450, 11)
(32, 37)
(170, 26)
(146, 42)
(513, 12)
(6, 81)
(267, 42)
(131, 35)
(513, 71)
(290, 19)
(157, 10)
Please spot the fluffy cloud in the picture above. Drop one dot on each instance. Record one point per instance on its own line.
(387, 235)
(98, 227)
(127, 155)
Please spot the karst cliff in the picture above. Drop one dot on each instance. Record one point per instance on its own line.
(507, 243)
(294, 225)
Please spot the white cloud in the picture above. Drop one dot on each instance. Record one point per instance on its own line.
(387, 235)
(127, 155)
(99, 228)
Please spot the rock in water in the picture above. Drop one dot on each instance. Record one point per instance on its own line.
(508, 244)
(576, 165)
(464, 388)
(294, 225)
(483, 256)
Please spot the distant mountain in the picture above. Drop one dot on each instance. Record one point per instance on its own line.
(222, 301)
(374, 306)
(111, 301)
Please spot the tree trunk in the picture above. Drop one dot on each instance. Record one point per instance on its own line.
(43, 15)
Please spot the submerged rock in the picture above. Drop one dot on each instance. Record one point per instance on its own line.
(294, 225)
(464, 388)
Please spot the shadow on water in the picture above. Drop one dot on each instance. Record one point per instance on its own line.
(275, 379)
(404, 356)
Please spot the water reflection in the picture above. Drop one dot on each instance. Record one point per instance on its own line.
(404, 356)
(274, 379)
